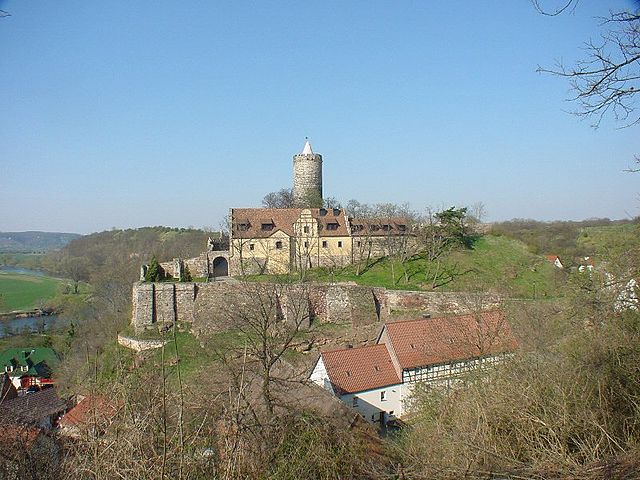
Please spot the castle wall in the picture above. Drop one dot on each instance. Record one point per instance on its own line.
(212, 307)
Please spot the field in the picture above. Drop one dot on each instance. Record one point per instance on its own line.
(23, 292)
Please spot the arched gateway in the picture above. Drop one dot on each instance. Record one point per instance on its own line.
(220, 267)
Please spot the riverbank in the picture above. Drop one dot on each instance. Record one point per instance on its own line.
(36, 312)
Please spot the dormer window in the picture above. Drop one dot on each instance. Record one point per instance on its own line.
(402, 228)
(243, 227)
(336, 212)
(323, 212)
(357, 228)
(266, 227)
(386, 228)
(332, 226)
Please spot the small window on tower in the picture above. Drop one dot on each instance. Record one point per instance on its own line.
(305, 229)
(339, 244)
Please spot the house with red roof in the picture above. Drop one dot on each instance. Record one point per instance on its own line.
(555, 260)
(377, 380)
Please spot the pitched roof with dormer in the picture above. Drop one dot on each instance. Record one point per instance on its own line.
(358, 369)
(248, 222)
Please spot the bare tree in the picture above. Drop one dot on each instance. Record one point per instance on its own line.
(283, 198)
(607, 79)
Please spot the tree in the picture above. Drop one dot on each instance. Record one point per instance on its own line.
(154, 271)
(283, 198)
(606, 81)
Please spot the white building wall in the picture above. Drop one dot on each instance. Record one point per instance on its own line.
(369, 403)
(320, 377)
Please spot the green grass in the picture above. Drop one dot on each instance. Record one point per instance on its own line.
(23, 292)
(609, 242)
(494, 263)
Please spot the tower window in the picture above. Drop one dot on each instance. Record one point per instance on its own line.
(305, 229)
(306, 244)
(339, 244)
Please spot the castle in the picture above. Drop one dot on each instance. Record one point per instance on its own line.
(286, 240)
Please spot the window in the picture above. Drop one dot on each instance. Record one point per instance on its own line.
(383, 396)
(332, 226)
(324, 244)
(358, 243)
(306, 244)
(354, 402)
(339, 244)
(305, 229)
(386, 228)
(279, 245)
(251, 246)
(267, 227)
(402, 228)
(323, 212)
(243, 227)
(336, 212)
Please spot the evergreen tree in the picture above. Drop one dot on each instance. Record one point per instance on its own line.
(154, 271)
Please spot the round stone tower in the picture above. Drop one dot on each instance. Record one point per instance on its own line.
(307, 177)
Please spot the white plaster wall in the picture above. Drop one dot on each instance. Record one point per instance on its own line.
(320, 377)
(369, 403)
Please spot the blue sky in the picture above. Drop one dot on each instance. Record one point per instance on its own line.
(126, 114)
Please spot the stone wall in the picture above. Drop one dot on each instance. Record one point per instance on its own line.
(200, 266)
(211, 307)
(307, 177)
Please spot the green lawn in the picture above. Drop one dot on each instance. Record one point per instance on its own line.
(23, 292)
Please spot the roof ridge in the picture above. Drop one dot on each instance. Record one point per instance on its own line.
(346, 349)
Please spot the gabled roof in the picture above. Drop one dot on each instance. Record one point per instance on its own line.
(88, 408)
(552, 258)
(422, 342)
(39, 361)
(283, 219)
(32, 408)
(358, 369)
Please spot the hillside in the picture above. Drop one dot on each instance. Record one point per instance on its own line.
(27, 242)
(494, 262)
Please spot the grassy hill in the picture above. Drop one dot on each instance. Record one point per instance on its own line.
(494, 263)
(26, 242)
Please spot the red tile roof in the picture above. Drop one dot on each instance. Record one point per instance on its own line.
(358, 369)
(552, 258)
(283, 219)
(86, 408)
(417, 343)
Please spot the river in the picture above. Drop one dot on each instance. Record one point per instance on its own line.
(34, 324)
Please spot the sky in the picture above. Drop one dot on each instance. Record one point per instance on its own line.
(128, 114)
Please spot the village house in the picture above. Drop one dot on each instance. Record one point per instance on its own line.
(29, 366)
(377, 380)
(555, 260)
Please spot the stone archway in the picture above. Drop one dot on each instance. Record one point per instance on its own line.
(220, 267)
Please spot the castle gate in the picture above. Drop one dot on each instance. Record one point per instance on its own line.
(220, 267)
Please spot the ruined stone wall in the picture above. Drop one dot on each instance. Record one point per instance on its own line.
(211, 307)
(200, 266)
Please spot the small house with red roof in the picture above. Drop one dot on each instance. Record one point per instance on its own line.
(376, 380)
(555, 260)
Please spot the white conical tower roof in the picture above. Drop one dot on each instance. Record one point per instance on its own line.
(307, 149)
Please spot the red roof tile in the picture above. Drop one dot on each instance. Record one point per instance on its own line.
(283, 219)
(358, 369)
(86, 408)
(417, 343)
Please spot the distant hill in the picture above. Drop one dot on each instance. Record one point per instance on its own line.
(27, 242)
